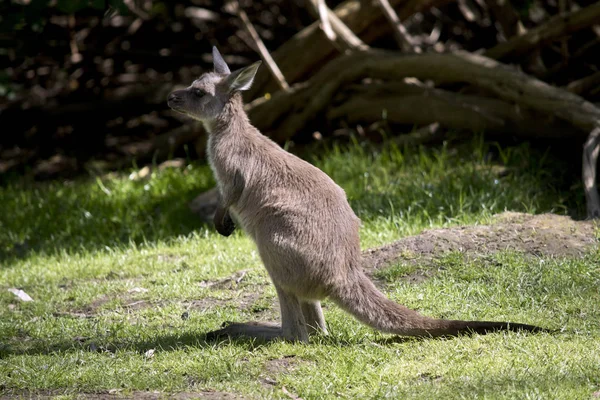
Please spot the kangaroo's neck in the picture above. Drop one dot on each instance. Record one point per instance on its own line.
(230, 138)
(231, 121)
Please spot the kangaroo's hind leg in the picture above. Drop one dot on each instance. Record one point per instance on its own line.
(293, 326)
(292, 319)
(313, 316)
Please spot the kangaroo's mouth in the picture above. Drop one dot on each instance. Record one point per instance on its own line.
(176, 102)
(176, 108)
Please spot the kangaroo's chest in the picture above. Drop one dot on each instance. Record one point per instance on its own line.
(222, 158)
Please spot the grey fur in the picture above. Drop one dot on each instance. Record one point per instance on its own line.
(304, 229)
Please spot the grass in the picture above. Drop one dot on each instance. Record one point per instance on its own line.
(118, 268)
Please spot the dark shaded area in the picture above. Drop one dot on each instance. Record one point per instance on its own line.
(52, 217)
(91, 94)
(83, 83)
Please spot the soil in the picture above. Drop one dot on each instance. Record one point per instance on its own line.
(277, 367)
(246, 297)
(536, 235)
(281, 365)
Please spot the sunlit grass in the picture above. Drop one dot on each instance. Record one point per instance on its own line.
(118, 267)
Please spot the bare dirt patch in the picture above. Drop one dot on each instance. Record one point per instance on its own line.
(279, 366)
(537, 235)
(244, 300)
(234, 292)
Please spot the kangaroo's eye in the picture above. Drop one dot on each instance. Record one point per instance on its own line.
(199, 93)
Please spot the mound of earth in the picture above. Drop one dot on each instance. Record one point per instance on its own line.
(538, 235)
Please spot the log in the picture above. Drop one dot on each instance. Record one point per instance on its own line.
(163, 145)
(285, 114)
(414, 104)
(309, 49)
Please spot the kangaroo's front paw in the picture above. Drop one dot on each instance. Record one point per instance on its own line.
(226, 226)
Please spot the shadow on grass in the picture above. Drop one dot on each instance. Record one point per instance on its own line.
(94, 214)
(174, 341)
(178, 341)
(439, 185)
(405, 186)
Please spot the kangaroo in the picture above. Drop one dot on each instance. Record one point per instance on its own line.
(300, 220)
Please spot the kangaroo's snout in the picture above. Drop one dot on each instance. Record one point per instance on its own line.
(175, 99)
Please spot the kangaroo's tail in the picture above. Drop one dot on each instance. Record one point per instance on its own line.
(361, 298)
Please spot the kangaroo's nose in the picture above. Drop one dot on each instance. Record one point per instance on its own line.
(173, 97)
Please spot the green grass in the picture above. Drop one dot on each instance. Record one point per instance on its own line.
(79, 249)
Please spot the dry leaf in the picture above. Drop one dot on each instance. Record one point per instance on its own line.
(290, 394)
(138, 290)
(20, 294)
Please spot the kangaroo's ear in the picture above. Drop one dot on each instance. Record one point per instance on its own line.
(219, 64)
(242, 78)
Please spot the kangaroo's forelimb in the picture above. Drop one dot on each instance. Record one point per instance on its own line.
(223, 222)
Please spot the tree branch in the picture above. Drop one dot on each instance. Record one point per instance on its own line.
(262, 50)
(554, 28)
(584, 85)
(339, 35)
(508, 84)
(401, 35)
(417, 104)
(309, 49)
(323, 11)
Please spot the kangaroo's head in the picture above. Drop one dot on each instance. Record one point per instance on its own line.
(205, 99)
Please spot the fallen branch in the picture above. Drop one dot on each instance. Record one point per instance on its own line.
(340, 35)
(425, 135)
(262, 50)
(556, 27)
(511, 27)
(309, 49)
(289, 113)
(323, 12)
(403, 38)
(163, 145)
(584, 85)
(125, 101)
(415, 104)
(576, 57)
(507, 18)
